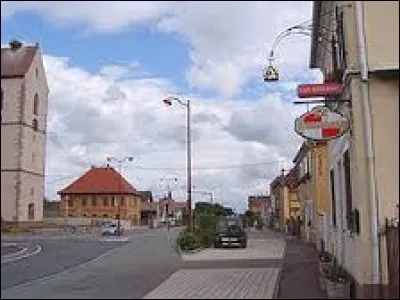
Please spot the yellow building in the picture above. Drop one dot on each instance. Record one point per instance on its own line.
(356, 43)
(284, 197)
(311, 161)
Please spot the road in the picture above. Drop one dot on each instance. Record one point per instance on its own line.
(89, 267)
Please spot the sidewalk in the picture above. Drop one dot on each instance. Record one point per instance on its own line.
(250, 273)
(300, 272)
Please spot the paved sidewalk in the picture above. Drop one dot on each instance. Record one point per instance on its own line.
(300, 272)
(251, 273)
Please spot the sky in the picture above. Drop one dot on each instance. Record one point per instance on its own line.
(110, 64)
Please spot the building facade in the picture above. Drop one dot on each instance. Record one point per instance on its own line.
(101, 193)
(356, 43)
(260, 205)
(312, 163)
(24, 104)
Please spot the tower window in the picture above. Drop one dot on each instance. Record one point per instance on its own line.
(35, 124)
(35, 105)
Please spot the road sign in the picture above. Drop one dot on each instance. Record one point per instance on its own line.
(321, 124)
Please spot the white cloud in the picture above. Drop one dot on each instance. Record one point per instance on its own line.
(229, 40)
(85, 127)
(117, 111)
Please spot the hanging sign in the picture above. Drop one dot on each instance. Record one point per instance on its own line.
(319, 90)
(321, 124)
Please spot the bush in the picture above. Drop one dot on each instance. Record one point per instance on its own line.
(188, 241)
(206, 228)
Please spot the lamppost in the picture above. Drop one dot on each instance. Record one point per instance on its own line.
(119, 161)
(169, 197)
(271, 73)
(210, 194)
(168, 101)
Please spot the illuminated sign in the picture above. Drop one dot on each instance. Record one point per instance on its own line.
(319, 90)
(321, 124)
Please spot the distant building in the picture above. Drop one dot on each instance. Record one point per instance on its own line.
(172, 208)
(260, 204)
(24, 101)
(101, 193)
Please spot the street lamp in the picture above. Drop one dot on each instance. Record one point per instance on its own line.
(271, 72)
(120, 161)
(210, 194)
(168, 101)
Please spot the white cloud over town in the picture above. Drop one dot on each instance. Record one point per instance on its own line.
(110, 113)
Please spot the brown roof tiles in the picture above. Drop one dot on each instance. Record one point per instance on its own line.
(16, 62)
(104, 180)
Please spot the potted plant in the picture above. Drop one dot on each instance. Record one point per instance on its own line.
(337, 282)
(325, 262)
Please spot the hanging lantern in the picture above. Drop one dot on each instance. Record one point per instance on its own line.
(271, 73)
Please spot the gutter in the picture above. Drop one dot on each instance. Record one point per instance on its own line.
(370, 155)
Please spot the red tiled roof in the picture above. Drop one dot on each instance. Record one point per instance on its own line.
(99, 181)
(15, 63)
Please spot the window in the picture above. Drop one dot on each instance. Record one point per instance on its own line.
(37, 73)
(70, 203)
(105, 201)
(341, 51)
(35, 124)
(122, 201)
(105, 215)
(347, 182)
(33, 157)
(32, 191)
(84, 201)
(35, 105)
(94, 201)
(31, 211)
(112, 201)
(332, 180)
(94, 215)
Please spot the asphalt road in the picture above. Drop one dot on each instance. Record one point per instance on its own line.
(92, 268)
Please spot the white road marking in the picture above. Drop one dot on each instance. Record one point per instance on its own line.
(5, 256)
(38, 250)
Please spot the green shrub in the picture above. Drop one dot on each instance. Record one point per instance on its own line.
(188, 241)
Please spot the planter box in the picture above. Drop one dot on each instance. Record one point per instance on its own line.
(336, 290)
(322, 276)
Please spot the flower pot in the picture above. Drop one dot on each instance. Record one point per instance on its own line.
(337, 290)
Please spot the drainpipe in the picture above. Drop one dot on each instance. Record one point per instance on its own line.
(376, 270)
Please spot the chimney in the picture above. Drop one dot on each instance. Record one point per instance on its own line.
(15, 45)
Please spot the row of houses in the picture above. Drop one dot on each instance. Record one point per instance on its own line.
(345, 191)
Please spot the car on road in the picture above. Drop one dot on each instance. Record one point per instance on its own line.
(230, 232)
(110, 228)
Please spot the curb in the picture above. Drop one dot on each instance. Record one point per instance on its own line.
(275, 293)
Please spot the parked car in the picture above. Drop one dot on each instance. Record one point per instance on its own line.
(230, 232)
(110, 228)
